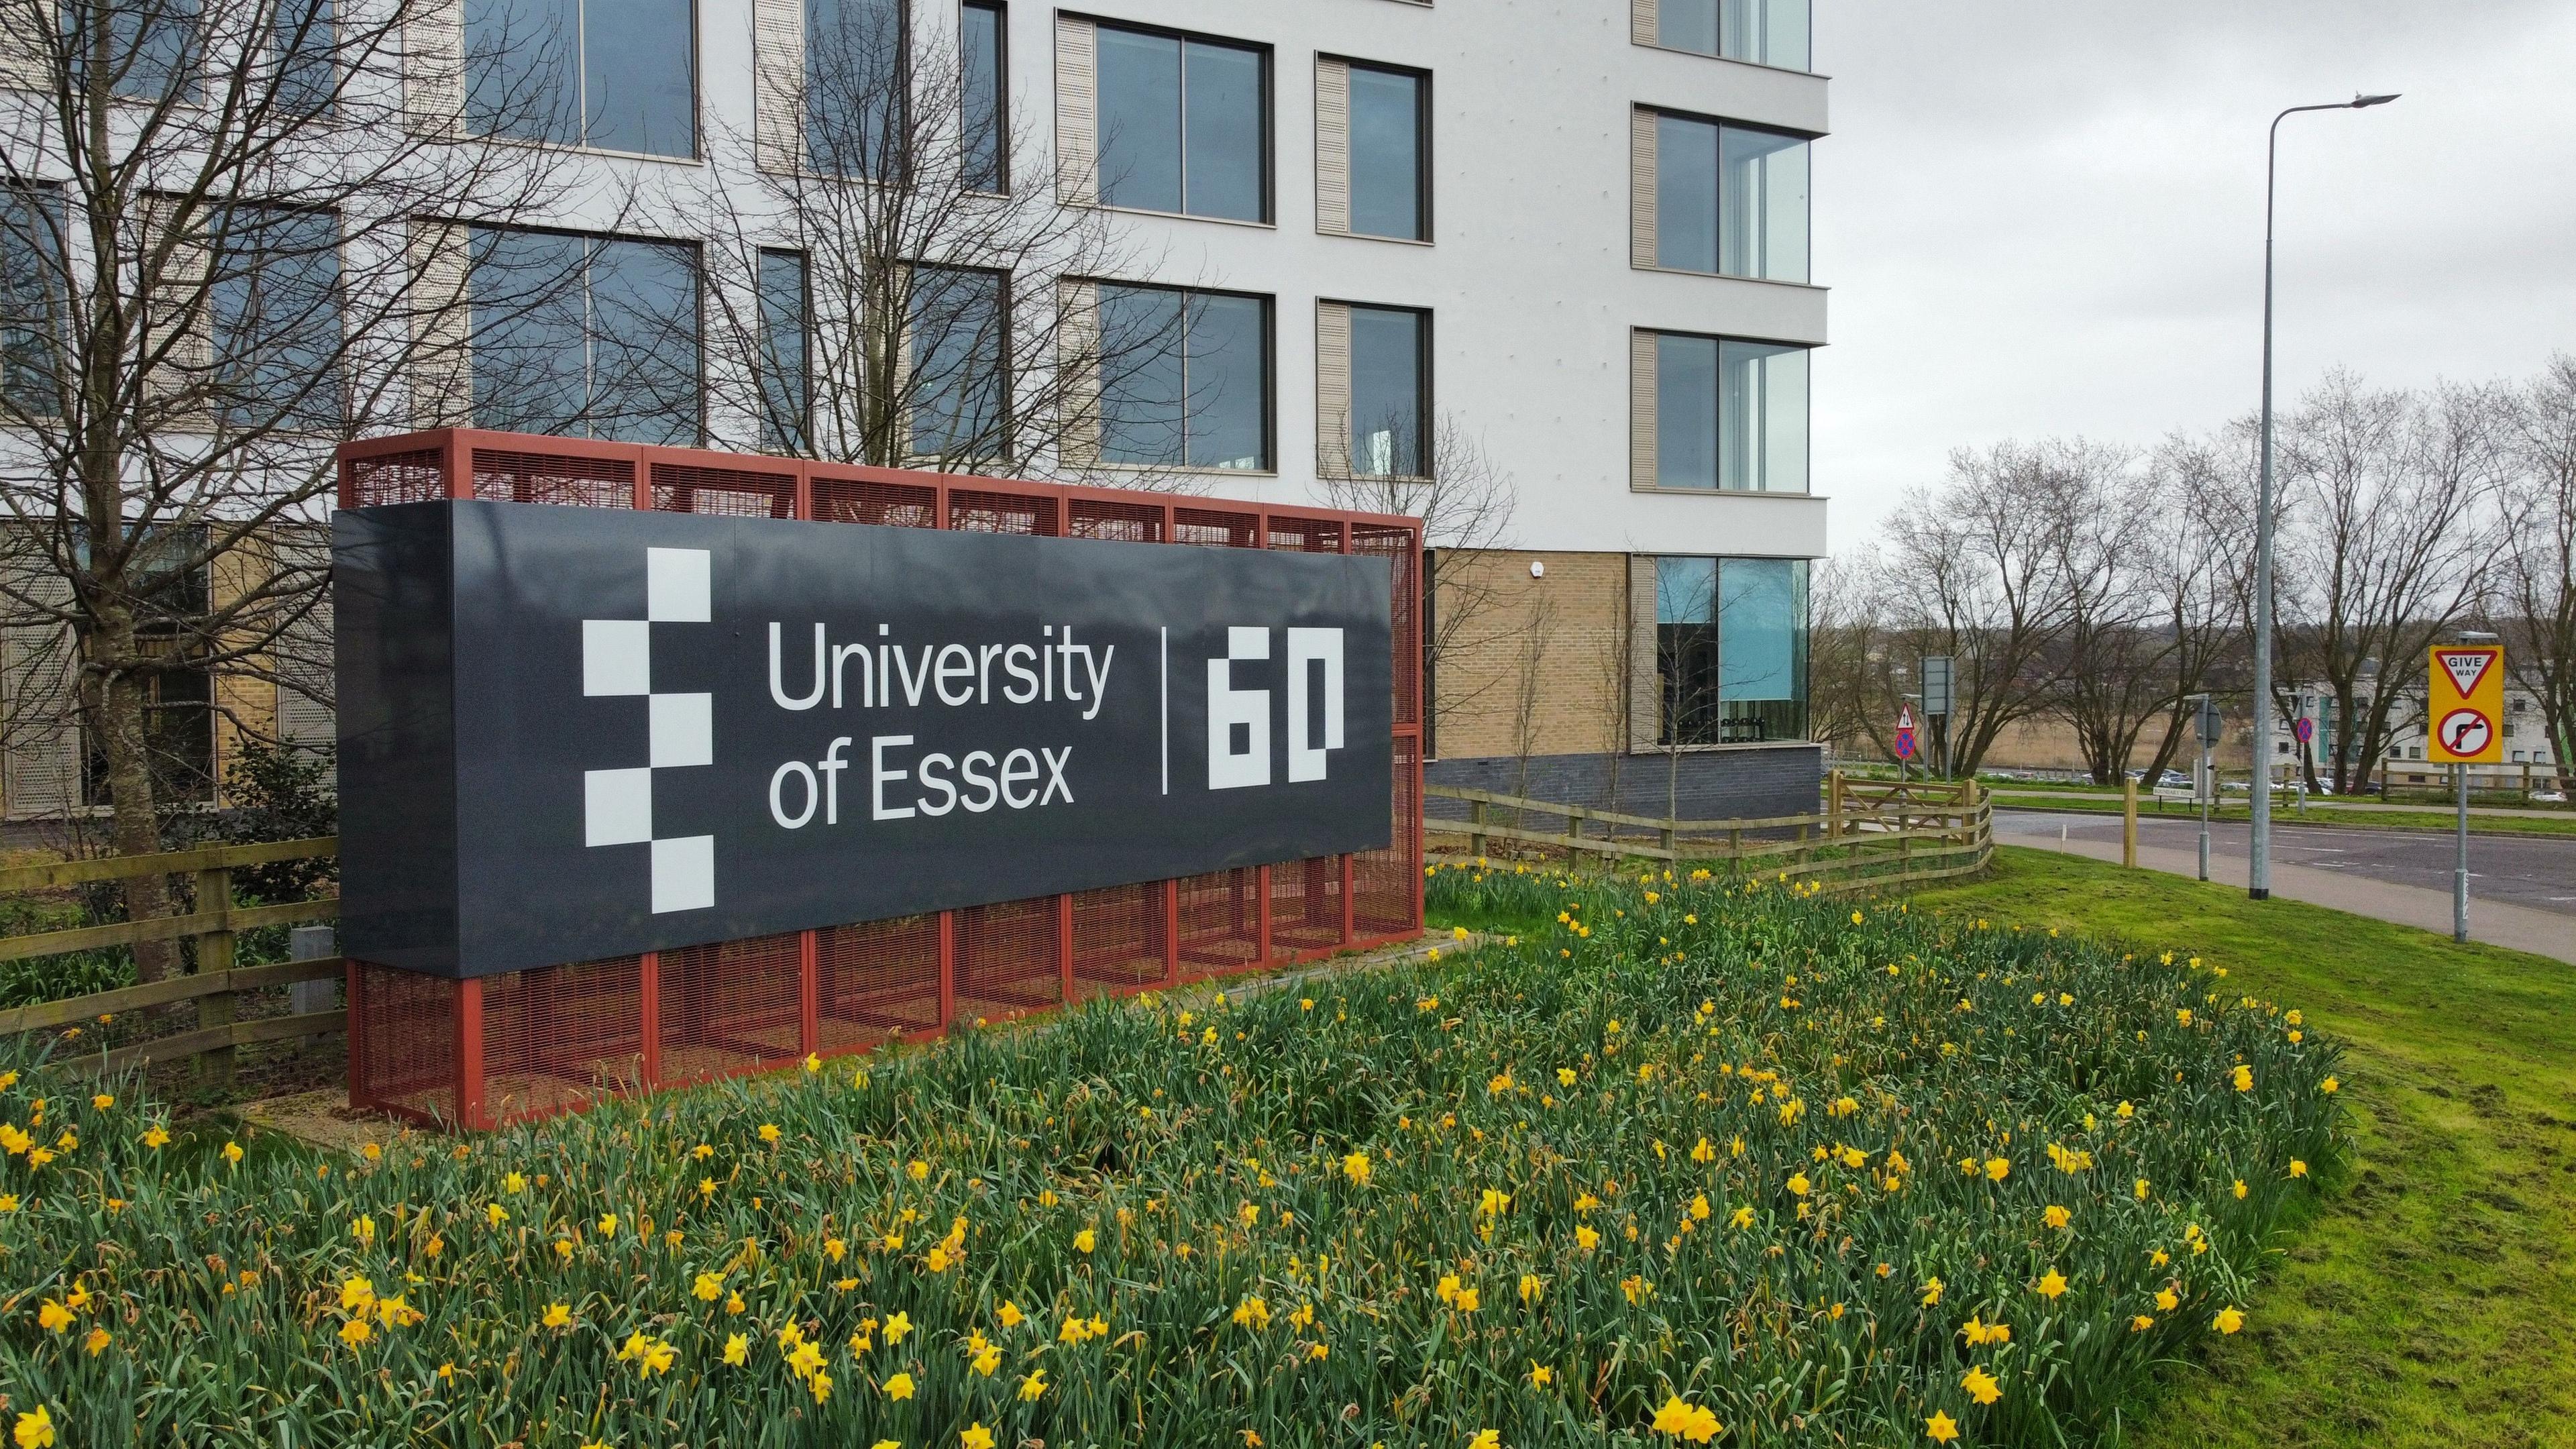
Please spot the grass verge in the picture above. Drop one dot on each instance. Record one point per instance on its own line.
(2433, 1300)
(2426, 822)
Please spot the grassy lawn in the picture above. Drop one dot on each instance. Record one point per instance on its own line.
(2282, 814)
(2433, 1300)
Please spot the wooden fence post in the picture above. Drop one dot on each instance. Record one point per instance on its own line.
(2129, 821)
(1476, 828)
(1833, 805)
(215, 953)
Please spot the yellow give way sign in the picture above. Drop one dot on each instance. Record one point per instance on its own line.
(2466, 705)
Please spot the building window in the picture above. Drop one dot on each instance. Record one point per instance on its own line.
(1717, 412)
(1730, 199)
(174, 601)
(31, 300)
(273, 304)
(1765, 32)
(1184, 378)
(588, 336)
(858, 92)
(786, 354)
(984, 94)
(1372, 391)
(958, 398)
(1730, 650)
(1183, 124)
(616, 74)
(149, 52)
(302, 44)
(1372, 150)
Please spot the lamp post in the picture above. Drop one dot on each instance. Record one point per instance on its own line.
(2258, 876)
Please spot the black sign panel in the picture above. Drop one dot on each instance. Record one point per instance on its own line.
(573, 733)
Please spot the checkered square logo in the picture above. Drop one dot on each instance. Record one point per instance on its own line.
(617, 660)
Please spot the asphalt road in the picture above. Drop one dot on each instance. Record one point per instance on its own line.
(2536, 872)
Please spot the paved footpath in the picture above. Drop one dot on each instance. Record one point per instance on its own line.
(2522, 891)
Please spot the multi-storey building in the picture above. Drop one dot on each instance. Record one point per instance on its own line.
(1524, 248)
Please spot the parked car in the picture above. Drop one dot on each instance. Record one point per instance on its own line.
(2548, 797)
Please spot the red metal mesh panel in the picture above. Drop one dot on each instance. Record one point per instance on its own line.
(1400, 546)
(1305, 905)
(1212, 528)
(976, 511)
(1220, 922)
(1006, 962)
(1118, 937)
(396, 478)
(875, 980)
(679, 488)
(1306, 535)
(516, 477)
(1125, 522)
(559, 1037)
(405, 1044)
(890, 505)
(1386, 885)
(730, 1007)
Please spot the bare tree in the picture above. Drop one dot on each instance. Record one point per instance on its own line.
(232, 233)
(1466, 502)
(2535, 550)
(896, 284)
(2106, 676)
(2200, 576)
(1847, 641)
(2379, 547)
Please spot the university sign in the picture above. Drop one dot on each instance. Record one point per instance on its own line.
(574, 733)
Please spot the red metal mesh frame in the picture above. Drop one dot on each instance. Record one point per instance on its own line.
(536, 1042)
(1007, 962)
(876, 981)
(732, 1006)
(559, 1038)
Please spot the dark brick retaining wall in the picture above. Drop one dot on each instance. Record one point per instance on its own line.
(1708, 784)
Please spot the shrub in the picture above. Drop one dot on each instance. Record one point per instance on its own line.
(1689, 1155)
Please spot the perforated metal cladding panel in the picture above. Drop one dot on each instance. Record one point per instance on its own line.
(888, 505)
(520, 477)
(1220, 922)
(1124, 522)
(403, 1043)
(975, 511)
(1306, 535)
(874, 980)
(735, 1006)
(1386, 885)
(1006, 960)
(1402, 548)
(559, 1038)
(1211, 528)
(413, 477)
(1118, 937)
(735, 493)
(1305, 905)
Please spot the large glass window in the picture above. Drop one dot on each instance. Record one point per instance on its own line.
(1731, 650)
(1184, 378)
(1184, 125)
(1730, 199)
(1389, 181)
(302, 44)
(960, 390)
(146, 51)
(617, 74)
(273, 299)
(1766, 32)
(984, 94)
(1390, 390)
(786, 358)
(31, 299)
(1730, 414)
(586, 335)
(858, 101)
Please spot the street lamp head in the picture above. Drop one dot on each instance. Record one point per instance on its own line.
(2473, 636)
(2360, 101)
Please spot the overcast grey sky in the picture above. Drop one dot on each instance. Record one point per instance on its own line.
(2047, 218)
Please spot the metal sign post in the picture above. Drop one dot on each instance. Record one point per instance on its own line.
(2465, 702)
(1938, 700)
(1904, 738)
(2304, 730)
(2208, 729)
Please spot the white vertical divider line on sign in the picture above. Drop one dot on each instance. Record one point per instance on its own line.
(1167, 708)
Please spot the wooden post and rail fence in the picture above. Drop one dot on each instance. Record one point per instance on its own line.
(1869, 834)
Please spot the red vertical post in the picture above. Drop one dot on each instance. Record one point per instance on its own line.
(1350, 917)
(357, 1037)
(459, 464)
(649, 1013)
(809, 1030)
(1261, 913)
(1064, 945)
(1171, 931)
(470, 1112)
(947, 939)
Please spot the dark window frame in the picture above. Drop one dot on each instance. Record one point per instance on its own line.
(696, 249)
(1269, 375)
(1422, 168)
(1810, 349)
(766, 363)
(1006, 300)
(1001, 120)
(697, 152)
(1423, 376)
(1268, 55)
(1725, 124)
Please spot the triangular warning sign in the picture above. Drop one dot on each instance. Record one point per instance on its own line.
(2466, 667)
(1905, 716)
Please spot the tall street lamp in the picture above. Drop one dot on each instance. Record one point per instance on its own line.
(2258, 879)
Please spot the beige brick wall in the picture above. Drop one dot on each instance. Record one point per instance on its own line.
(1532, 666)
